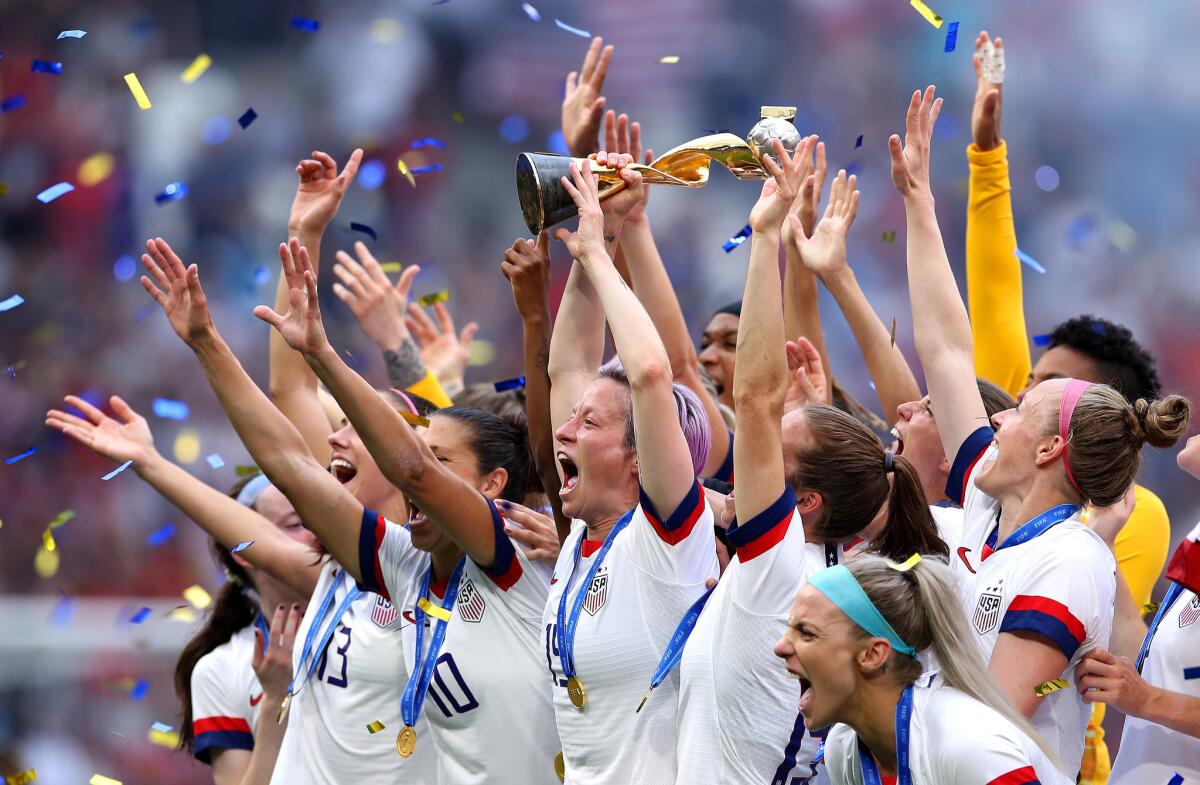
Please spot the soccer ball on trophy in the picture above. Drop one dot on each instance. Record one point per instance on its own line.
(776, 123)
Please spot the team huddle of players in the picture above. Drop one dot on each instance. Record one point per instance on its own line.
(685, 566)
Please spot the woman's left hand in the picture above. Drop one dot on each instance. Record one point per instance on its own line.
(301, 326)
(536, 533)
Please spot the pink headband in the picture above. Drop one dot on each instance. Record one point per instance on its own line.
(413, 409)
(1066, 410)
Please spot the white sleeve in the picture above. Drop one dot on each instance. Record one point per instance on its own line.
(993, 752)
(770, 554)
(525, 588)
(222, 716)
(387, 560)
(972, 457)
(841, 756)
(679, 547)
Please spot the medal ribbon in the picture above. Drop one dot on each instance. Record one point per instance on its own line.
(1039, 525)
(1169, 600)
(566, 627)
(674, 652)
(318, 620)
(870, 771)
(418, 681)
(260, 622)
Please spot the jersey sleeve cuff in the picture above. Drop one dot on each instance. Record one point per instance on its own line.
(505, 569)
(765, 530)
(1048, 618)
(1022, 776)
(969, 453)
(227, 733)
(724, 472)
(676, 527)
(370, 540)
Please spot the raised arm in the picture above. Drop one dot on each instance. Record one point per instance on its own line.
(126, 437)
(292, 385)
(943, 333)
(327, 508)
(526, 266)
(444, 349)
(824, 254)
(576, 345)
(403, 457)
(582, 105)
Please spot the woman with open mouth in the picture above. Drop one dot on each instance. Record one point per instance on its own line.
(852, 642)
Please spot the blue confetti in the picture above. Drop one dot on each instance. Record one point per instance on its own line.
(951, 37)
(1098, 328)
(215, 461)
(427, 169)
(170, 410)
(45, 67)
(20, 457)
(53, 192)
(11, 302)
(531, 12)
(737, 239)
(160, 535)
(12, 103)
(363, 229)
(215, 130)
(11, 372)
(1080, 229)
(161, 727)
(1192, 673)
(372, 174)
(557, 143)
(64, 611)
(1041, 340)
(71, 34)
(117, 470)
(858, 142)
(510, 384)
(124, 268)
(307, 25)
(241, 546)
(172, 193)
(140, 616)
(564, 26)
(428, 141)
(247, 118)
(1176, 780)
(514, 128)
(1030, 261)
(262, 274)
(140, 689)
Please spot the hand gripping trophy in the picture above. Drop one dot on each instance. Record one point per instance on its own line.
(544, 202)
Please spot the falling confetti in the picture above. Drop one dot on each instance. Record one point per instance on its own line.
(1191, 673)
(564, 26)
(737, 239)
(169, 409)
(12, 103)
(363, 229)
(531, 12)
(160, 535)
(21, 778)
(391, 267)
(893, 333)
(172, 193)
(140, 616)
(53, 192)
(669, 59)
(197, 596)
(510, 384)
(307, 25)
(100, 779)
(427, 169)
(428, 141)
(1041, 340)
(183, 614)
(11, 302)
(163, 735)
(385, 31)
(242, 470)
(117, 470)
(215, 461)
(96, 169)
(1028, 260)
(241, 546)
(196, 69)
(951, 37)
(21, 457)
(247, 117)
(415, 420)
(187, 446)
(375, 727)
(404, 170)
(45, 563)
(427, 300)
(71, 34)
(889, 236)
(45, 67)
(139, 94)
(858, 142)
(928, 13)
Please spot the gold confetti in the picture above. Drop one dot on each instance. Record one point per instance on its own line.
(48, 542)
(161, 738)
(100, 779)
(481, 352)
(3, 189)
(391, 267)
(139, 94)
(457, 117)
(242, 470)
(889, 237)
(436, 611)
(427, 300)
(1149, 607)
(415, 419)
(182, 613)
(21, 778)
(669, 59)
(96, 169)
(376, 726)
(45, 563)
(928, 13)
(62, 518)
(187, 446)
(196, 69)
(1054, 685)
(385, 31)
(403, 167)
(893, 332)
(197, 596)
(908, 563)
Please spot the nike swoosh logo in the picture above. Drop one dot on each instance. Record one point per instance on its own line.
(962, 554)
(254, 701)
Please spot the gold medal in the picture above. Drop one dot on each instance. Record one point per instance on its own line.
(560, 767)
(406, 742)
(283, 708)
(645, 698)
(576, 692)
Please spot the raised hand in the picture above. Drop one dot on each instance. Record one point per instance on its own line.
(779, 192)
(588, 238)
(583, 105)
(181, 297)
(301, 326)
(320, 191)
(626, 138)
(825, 250)
(618, 207)
(443, 349)
(809, 384)
(272, 661)
(985, 114)
(526, 266)
(808, 201)
(535, 531)
(910, 160)
(379, 307)
(125, 439)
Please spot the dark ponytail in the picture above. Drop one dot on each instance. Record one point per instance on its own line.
(910, 527)
(233, 611)
(499, 443)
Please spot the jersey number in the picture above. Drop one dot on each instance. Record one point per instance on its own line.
(337, 681)
(455, 696)
(552, 654)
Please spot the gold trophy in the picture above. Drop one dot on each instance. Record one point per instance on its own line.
(544, 201)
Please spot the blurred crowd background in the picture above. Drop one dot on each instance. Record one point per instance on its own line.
(1101, 102)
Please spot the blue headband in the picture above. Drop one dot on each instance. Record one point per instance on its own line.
(252, 490)
(843, 590)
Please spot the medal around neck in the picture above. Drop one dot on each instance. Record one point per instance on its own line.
(576, 692)
(406, 741)
(544, 201)
(560, 767)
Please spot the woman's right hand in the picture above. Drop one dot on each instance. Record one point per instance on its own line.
(910, 157)
(181, 297)
(301, 326)
(126, 439)
(824, 252)
(378, 306)
(274, 665)
(985, 113)
(809, 384)
(526, 266)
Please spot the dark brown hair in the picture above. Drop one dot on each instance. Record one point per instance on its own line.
(498, 442)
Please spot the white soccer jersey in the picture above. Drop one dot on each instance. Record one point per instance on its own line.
(1154, 753)
(358, 680)
(953, 740)
(1060, 584)
(737, 704)
(655, 570)
(488, 705)
(225, 697)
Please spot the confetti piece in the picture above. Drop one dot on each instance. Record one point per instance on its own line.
(564, 26)
(391, 267)
(100, 779)
(1041, 340)
(1177, 779)
(45, 563)
(858, 142)
(1054, 685)
(96, 169)
(415, 420)
(187, 446)
(893, 333)
(20, 457)
(172, 193)
(45, 67)
(1030, 261)
(117, 470)
(457, 117)
(363, 229)
(1191, 673)
(196, 69)
(183, 613)
(197, 596)
(307, 25)
(481, 352)
(669, 59)
(160, 535)
(242, 470)
(404, 170)
(11, 302)
(140, 688)
(140, 616)
(71, 34)
(436, 611)
(1149, 607)
(262, 274)
(64, 611)
(375, 727)
(427, 169)
(169, 409)
(531, 12)
(737, 239)
(428, 141)
(12, 103)
(215, 461)
(427, 300)
(48, 543)
(62, 518)
(928, 13)
(510, 384)
(241, 546)
(163, 738)
(139, 94)
(53, 192)
(161, 727)
(247, 118)
(889, 236)
(385, 31)
(22, 777)
(951, 37)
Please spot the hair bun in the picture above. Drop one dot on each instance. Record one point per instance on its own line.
(1163, 422)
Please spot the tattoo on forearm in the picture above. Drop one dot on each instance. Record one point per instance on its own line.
(404, 367)
(542, 360)
(610, 238)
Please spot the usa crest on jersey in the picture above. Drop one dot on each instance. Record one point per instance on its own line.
(384, 613)
(597, 593)
(1190, 612)
(987, 611)
(470, 605)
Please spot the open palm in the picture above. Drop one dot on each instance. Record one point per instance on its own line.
(178, 291)
(126, 439)
(301, 326)
(825, 251)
